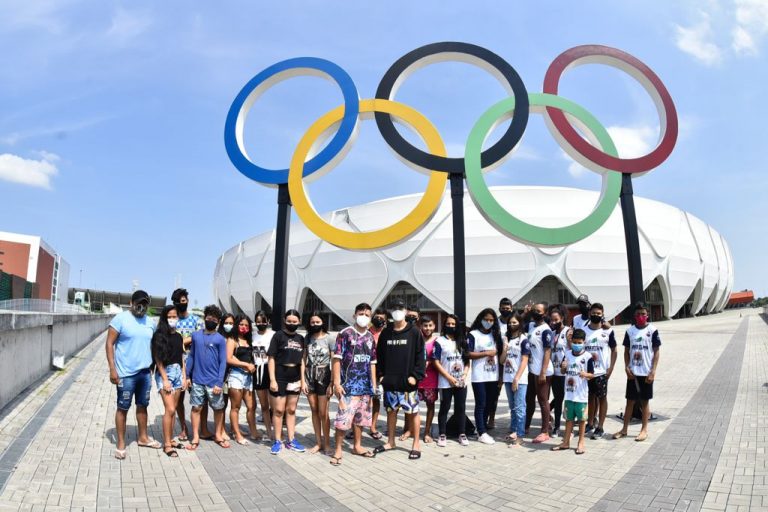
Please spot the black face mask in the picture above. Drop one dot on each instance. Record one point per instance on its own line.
(595, 319)
(505, 314)
(556, 325)
(584, 309)
(536, 316)
(139, 310)
(511, 331)
(210, 325)
(449, 330)
(261, 327)
(181, 307)
(377, 322)
(291, 328)
(314, 329)
(411, 318)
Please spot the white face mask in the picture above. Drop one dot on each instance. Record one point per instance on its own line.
(228, 327)
(398, 315)
(362, 321)
(172, 322)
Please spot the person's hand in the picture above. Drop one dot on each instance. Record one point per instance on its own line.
(216, 390)
(583, 374)
(605, 324)
(251, 368)
(339, 390)
(411, 381)
(563, 366)
(184, 383)
(629, 373)
(305, 388)
(167, 387)
(113, 378)
(527, 308)
(608, 373)
(542, 379)
(501, 384)
(273, 386)
(329, 392)
(514, 385)
(453, 381)
(651, 376)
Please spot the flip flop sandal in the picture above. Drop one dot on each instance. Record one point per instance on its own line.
(335, 461)
(183, 437)
(366, 455)
(121, 454)
(380, 449)
(559, 448)
(640, 438)
(404, 437)
(414, 454)
(223, 443)
(376, 435)
(579, 452)
(243, 442)
(619, 435)
(154, 444)
(172, 453)
(192, 446)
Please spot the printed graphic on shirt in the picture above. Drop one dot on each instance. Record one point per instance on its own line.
(484, 369)
(450, 358)
(357, 352)
(516, 349)
(576, 388)
(540, 339)
(559, 347)
(599, 343)
(186, 326)
(641, 343)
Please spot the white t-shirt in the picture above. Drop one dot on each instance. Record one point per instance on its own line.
(576, 388)
(260, 346)
(559, 347)
(579, 322)
(485, 369)
(516, 349)
(641, 343)
(540, 339)
(446, 351)
(599, 343)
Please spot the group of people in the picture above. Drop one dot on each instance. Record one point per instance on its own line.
(392, 357)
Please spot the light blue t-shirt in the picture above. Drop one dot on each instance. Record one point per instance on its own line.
(133, 349)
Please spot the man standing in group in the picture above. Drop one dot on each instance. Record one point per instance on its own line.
(582, 319)
(206, 367)
(129, 355)
(354, 379)
(378, 323)
(505, 313)
(187, 324)
(401, 363)
(601, 343)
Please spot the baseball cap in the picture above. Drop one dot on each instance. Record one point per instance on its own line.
(139, 296)
(583, 298)
(397, 304)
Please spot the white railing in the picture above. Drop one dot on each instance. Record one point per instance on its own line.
(41, 306)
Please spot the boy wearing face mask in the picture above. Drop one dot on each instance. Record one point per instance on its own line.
(581, 320)
(641, 358)
(505, 313)
(378, 323)
(601, 344)
(540, 370)
(207, 367)
(578, 367)
(129, 356)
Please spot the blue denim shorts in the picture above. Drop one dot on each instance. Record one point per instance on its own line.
(173, 371)
(239, 379)
(199, 394)
(138, 385)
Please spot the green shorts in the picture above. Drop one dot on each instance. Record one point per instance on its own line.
(575, 411)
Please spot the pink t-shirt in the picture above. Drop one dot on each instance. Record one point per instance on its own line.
(430, 378)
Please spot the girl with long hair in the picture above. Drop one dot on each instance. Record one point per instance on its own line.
(240, 379)
(451, 360)
(484, 340)
(260, 340)
(317, 379)
(170, 372)
(514, 361)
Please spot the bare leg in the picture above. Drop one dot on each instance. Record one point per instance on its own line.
(290, 415)
(416, 427)
(266, 413)
(250, 414)
(627, 417)
(603, 402)
(357, 447)
(218, 423)
(391, 428)
(375, 414)
(407, 428)
(567, 435)
(278, 411)
(428, 424)
(582, 435)
(169, 402)
(339, 443)
(325, 422)
(316, 423)
(181, 413)
(121, 418)
(591, 410)
(196, 418)
(141, 420)
(235, 400)
(204, 431)
(645, 405)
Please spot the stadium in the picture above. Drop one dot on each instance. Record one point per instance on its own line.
(687, 265)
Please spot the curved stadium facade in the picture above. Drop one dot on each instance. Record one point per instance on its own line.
(687, 265)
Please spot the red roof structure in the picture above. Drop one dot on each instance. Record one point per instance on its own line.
(745, 297)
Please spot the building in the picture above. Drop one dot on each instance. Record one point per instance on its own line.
(103, 300)
(742, 299)
(687, 265)
(31, 259)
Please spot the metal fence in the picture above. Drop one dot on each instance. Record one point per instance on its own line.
(41, 306)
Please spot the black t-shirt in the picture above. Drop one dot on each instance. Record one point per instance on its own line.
(168, 348)
(286, 348)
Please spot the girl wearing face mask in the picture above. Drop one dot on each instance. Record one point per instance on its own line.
(226, 329)
(428, 385)
(170, 371)
(483, 342)
(260, 340)
(560, 333)
(286, 376)
(514, 361)
(450, 359)
(317, 379)
(240, 379)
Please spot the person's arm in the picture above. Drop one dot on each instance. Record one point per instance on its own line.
(374, 370)
(525, 354)
(183, 370)
(656, 344)
(614, 354)
(437, 352)
(373, 376)
(590, 373)
(222, 366)
(381, 355)
(420, 359)
(160, 366)
(112, 335)
(503, 355)
(627, 366)
(231, 360)
(190, 361)
(475, 355)
(303, 385)
(546, 341)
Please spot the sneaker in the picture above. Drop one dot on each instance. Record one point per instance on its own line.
(598, 433)
(295, 446)
(555, 432)
(441, 441)
(276, 447)
(463, 441)
(486, 439)
(588, 430)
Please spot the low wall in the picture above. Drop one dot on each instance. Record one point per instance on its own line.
(29, 343)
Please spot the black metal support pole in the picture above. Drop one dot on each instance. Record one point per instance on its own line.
(632, 238)
(281, 255)
(459, 268)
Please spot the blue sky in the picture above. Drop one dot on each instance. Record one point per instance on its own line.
(111, 116)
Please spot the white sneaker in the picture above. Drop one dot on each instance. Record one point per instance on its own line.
(441, 442)
(463, 441)
(486, 439)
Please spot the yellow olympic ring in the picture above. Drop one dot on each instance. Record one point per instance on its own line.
(380, 238)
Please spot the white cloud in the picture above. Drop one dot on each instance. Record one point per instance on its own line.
(35, 173)
(128, 25)
(696, 40)
(752, 25)
(630, 142)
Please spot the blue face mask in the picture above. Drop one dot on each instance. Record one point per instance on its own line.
(577, 347)
(486, 324)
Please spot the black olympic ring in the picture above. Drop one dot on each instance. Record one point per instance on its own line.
(500, 68)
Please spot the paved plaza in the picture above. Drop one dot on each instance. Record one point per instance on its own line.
(707, 450)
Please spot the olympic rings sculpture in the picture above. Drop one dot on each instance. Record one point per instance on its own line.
(597, 152)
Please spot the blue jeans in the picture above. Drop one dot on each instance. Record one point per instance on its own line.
(484, 392)
(516, 400)
(138, 385)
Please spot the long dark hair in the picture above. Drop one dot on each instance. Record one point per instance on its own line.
(460, 337)
(495, 330)
(519, 317)
(233, 332)
(324, 328)
(261, 314)
(161, 339)
(247, 336)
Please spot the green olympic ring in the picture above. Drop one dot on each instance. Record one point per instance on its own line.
(503, 220)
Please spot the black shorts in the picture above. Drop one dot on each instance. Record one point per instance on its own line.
(598, 386)
(318, 380)
(644, 393)
(287, 376)
(261, 378)
(282, 390)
